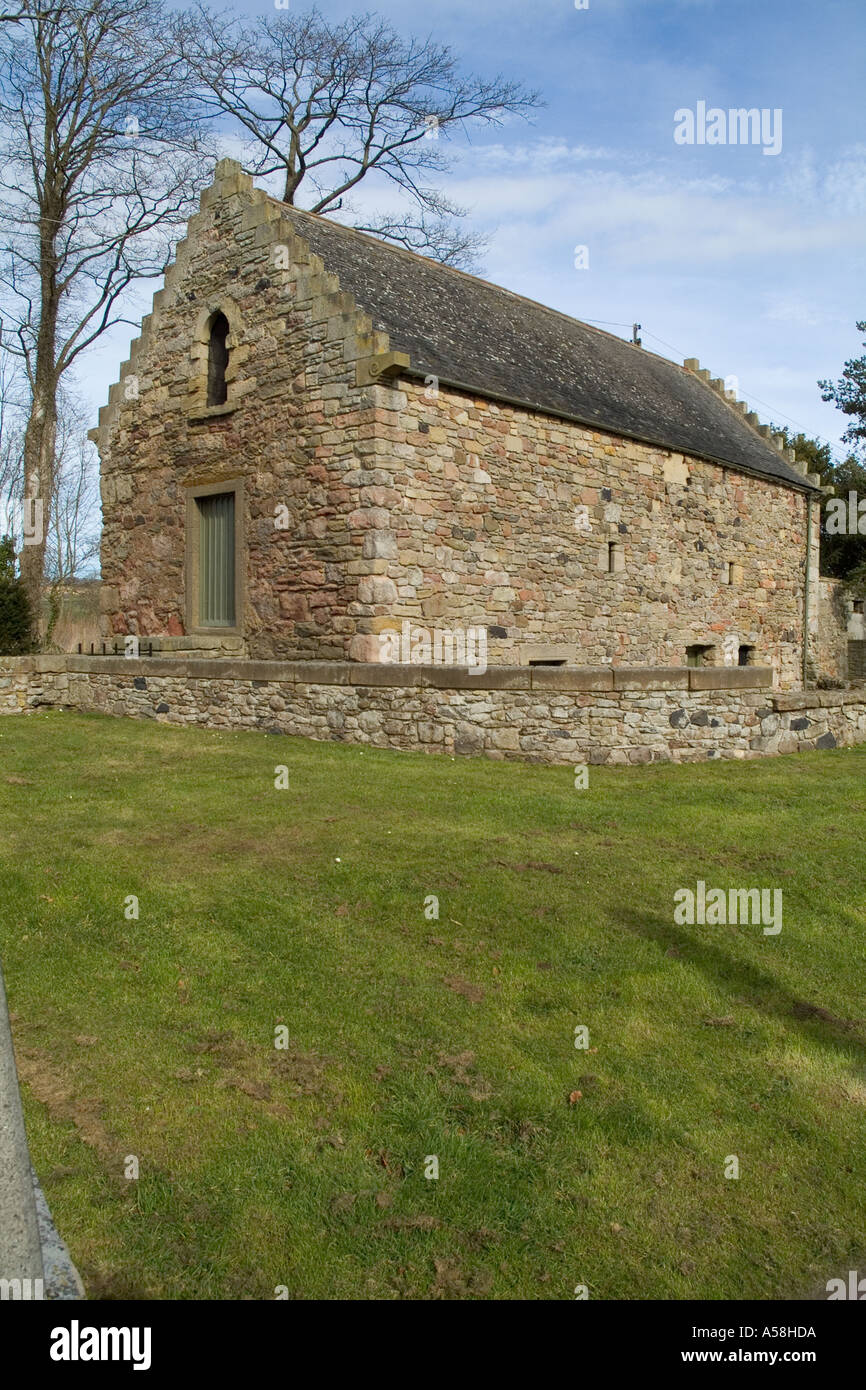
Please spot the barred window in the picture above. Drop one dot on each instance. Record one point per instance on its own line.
(217, 560)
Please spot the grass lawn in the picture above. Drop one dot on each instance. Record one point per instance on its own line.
(304, 1166)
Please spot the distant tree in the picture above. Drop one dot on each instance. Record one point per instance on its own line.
(11, 437)
(328, 104)
(814, 452)
(849, 394)
(72, 542)
(846, 554)
(842, 553)
(15, 620)
(855, 581)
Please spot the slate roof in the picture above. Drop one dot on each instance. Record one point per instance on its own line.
(471, 333)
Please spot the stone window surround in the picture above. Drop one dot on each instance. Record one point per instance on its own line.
(611, 557)
(732, 572)
(193, 522)
(218, 360)
(198, 408)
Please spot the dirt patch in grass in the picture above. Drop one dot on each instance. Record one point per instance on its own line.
(809, 1012)
(418, 1222)
(225, 1048)
(305, 1070)
(474, 993)
(256, 1090)
(462, 1069)
(49, 1086)
(452, 1281)
(532, 865)
(183, 842)
(266, 1074)
(255, 1071)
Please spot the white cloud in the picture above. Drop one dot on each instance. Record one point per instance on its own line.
(542, 153)
(799, 311)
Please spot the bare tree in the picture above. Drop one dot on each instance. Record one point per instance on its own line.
(72, 539)
(11, 440)
(20, 12)
(329, 104)
(99, 170)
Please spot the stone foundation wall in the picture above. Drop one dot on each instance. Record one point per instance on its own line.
(553, 715)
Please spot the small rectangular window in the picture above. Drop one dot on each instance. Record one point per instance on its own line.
(216, 587)
(699, 655)
(732, 572)
(546, 654)
(613, 557)
(858, 605)
(746, 656)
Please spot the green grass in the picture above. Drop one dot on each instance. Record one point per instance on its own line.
(410, 1037)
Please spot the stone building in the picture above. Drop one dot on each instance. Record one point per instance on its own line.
(319, 436)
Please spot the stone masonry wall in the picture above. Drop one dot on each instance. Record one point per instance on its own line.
(831, 647)
(541, 715)
(295, 428)
(505, 519)
(409, 500)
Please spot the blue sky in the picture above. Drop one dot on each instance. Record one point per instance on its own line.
(753, 263)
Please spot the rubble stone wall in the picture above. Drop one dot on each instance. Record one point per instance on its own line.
(549, 715)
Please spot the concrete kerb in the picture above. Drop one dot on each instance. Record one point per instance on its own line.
(20, 1245)
(62, 1280)
(34, 1262)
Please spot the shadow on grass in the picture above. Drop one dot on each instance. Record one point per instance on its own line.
(760, 988)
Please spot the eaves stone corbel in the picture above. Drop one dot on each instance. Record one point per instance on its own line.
(370, 370)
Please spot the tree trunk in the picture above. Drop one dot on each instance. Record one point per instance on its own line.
(39, 444)
(40, 436)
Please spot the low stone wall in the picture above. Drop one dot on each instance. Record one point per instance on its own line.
(28, 681)
(813, 719)
(542, 714)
